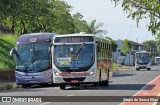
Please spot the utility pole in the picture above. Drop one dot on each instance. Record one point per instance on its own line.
(137, 40)
(130, 40)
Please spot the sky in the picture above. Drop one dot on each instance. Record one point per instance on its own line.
(115, 20)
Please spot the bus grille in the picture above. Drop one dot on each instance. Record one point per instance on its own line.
(77, 79)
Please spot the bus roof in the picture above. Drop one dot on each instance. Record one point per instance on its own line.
(157, 57)
(97, 37)
(35, 38)
(142, 52)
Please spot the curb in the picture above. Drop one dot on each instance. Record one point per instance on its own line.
(8, 86)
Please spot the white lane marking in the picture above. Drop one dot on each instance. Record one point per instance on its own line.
(45, 103)
(85, 90)
(71, 95)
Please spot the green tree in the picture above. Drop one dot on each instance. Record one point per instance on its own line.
(93, 28)
(150, 45)
(139, 9)
(158, 43)
(9, 10)
(80, 24)
(27, 16)
(126, 46)
(114, 44)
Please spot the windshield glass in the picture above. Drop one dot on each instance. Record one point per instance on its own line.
(74, 56)
(32, 57)
(143, 58)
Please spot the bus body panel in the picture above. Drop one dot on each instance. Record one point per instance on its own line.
(98, 72)
(34, 78)
(157, 61)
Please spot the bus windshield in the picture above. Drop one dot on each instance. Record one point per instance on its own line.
(74, 56)
(32, 57)
(142, 58)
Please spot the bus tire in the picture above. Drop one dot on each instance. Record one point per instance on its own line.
(100, 80)
(107, 81)
(95, 84)
(62, 86)
(25, 86)
(101, 83)
(137, 69)
(148, 68)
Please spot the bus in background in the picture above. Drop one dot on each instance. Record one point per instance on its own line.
(33, 59)
(81, 59)
(157, 61)
(142, 60)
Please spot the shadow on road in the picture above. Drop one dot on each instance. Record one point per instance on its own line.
(122, 75)
(115, 87)
(129, 87)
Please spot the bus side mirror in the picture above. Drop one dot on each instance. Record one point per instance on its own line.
(12, 51)
(49, 49)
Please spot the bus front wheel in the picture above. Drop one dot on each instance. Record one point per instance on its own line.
(148, 68)
(25, 86)
(106, 82)
(62, 86)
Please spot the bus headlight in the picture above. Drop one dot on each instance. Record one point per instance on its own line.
(91, 73)
(57, 74)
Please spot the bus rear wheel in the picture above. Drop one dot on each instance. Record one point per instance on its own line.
(95, 84)
(25, 86)
(106, 83)
(148, 68)
(62, 86)
(137, 69)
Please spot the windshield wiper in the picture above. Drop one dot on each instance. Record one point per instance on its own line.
(33, 60)
(79, 50)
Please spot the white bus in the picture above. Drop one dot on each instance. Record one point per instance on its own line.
(81, 59)
(157, 60)
(142, 60)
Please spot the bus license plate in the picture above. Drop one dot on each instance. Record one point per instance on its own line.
(74, 81)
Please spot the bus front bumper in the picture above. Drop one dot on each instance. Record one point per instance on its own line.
(82, 79)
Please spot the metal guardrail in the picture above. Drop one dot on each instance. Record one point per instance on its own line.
(7, 76)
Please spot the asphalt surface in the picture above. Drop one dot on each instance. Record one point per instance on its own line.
(123, 83)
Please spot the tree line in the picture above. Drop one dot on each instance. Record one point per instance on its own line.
(143, 9)
(28, 16)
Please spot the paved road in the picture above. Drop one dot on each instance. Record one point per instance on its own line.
(123, 83)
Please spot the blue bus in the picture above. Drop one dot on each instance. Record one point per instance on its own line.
(33, 59)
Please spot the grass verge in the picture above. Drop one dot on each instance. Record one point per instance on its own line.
(7, 41)
(7, 86)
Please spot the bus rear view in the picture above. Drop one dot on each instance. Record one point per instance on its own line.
(142, 60)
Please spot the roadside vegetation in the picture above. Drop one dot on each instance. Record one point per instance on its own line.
(117, 67)
(7, 41)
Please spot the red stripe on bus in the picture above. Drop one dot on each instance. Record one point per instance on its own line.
(73, 74)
